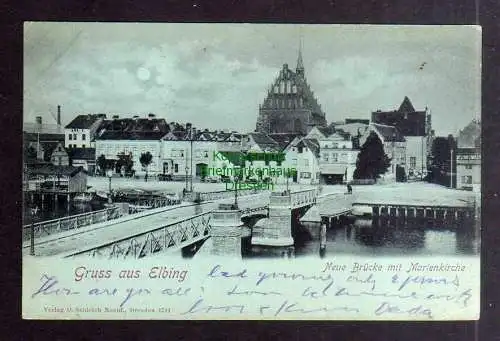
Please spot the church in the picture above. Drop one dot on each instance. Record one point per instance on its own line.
(290, 105)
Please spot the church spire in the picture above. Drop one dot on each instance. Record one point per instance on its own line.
(300, 62)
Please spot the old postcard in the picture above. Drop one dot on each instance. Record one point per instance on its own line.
(243, 171)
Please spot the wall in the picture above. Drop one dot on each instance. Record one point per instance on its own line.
(416, 146)
(78, 183)
(111, 148)
(77, 142)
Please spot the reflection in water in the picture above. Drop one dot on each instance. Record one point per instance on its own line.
(391, 237)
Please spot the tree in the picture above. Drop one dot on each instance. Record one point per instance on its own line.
(145, 161)
(125, 161)
(439, 168)
(102, 163)
(400, 174)
(372, 160)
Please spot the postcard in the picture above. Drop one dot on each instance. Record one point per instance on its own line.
(251, 172)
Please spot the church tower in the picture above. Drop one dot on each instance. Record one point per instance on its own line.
(290, 105)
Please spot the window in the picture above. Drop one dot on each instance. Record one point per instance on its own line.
(176, 168)
(325, 157)
(306, 162)
(182, 153)
(300, 149)
(70, 137)
(468, 166)
(83, 146)
(413, 162)
(305, 175)
(83, 137)
(74, 137)
(467, 179)
(334, 157)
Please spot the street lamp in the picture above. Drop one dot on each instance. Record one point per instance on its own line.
(34, 212)
(236, 178)
(451, 167)
(109, 174)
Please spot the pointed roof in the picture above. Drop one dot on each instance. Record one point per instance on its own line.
(406, 107)
(300, 62)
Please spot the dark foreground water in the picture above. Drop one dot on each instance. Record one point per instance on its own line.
(381, 238)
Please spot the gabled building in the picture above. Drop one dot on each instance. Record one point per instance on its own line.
(303, 155)
(415, 126)
(468, 157)
(318, 133)
(59, 156)
(290, 105)
(394, 144)
(80, 132)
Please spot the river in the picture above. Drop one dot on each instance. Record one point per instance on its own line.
(382, 238)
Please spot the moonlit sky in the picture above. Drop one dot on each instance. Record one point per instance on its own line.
(216, 75)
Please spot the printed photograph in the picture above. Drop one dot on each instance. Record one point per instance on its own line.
(250, 141)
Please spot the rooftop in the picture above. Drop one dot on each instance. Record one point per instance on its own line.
(389, 133)
(133, 129)
(84, 121)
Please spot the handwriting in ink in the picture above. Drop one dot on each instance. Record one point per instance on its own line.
(176, 292)
(131, 292)
(463, 297)
(217, 272)
(293, 276)
(49, 287)
(358, 279)
(309, 292)
(286, 307)
(199, 307)
(422, 280)
(235, 291)
(390, 308)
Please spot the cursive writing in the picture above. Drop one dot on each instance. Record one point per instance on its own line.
(49, 287)
(390, 308)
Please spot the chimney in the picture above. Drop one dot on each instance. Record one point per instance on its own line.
(39, 120)
(58, 115)
(151, 116)
(136, 117)
(115, 117)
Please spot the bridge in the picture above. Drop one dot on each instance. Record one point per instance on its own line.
(163, 229)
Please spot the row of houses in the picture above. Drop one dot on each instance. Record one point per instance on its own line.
(324, 155)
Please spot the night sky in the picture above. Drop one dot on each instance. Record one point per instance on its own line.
(216, 75)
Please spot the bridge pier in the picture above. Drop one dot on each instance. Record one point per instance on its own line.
(227, 230)
(278, 229)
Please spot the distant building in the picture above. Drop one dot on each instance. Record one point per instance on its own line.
(59, 156)
(41, 138)
(394, 144)
(132, 136)
(290, 105)
(319, 133)
(357, 120)
(80, 132)
(338, 155)
(468, 156)
(83, 157)
(61, 178)
(303, 155)
(415, 126)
